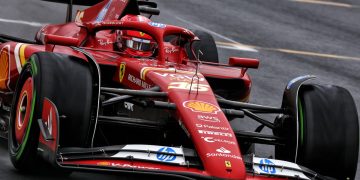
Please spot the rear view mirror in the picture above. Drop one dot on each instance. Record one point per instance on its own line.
(60, 40)
(244, 62)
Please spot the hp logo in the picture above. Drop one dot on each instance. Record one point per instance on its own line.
(267, 166)
(166, 157)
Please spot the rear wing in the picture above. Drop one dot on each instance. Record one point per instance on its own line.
(135, 6)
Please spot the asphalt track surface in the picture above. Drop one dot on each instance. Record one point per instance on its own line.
(290, 37)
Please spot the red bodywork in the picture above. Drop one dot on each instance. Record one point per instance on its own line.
(197, 108)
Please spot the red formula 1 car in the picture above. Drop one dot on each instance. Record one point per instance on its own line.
(115, 91)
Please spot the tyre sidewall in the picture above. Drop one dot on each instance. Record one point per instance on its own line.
(23, 156)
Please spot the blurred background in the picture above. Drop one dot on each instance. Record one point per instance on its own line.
(290, 38)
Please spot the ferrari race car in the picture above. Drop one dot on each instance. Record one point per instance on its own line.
(115, 91)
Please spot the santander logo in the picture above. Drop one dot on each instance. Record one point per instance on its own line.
(223, 150)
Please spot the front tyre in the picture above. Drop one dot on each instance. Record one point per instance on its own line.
(328, 132)
(24, 132)
(67, 82)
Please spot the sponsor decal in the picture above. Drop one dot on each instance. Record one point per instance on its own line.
(173, 155)
(122, 71)
(129, 106)
(79, 16)
(189, 86)
(158, 25)
(212, 140)
(132, 166)
(180, 77)
(166, 157)
(228, 164)
(200, 106)
(103, 163)
(96, 24)
(207, 118)
(103, 12)
(283, 168)
(145, 70)
(4, 67)
(171, 50)
(211, 127)
(266, 166)
(215, 133)
(142, 34)
(223, 150)
(138, 81)
(222, 155)
(103, 42)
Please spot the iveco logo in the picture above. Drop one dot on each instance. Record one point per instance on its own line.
(164, 154)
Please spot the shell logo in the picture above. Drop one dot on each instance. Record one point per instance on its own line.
(200, 106)
(103, 163)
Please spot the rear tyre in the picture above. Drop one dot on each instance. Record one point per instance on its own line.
(206, 45)
(67, 82)
(328, 131)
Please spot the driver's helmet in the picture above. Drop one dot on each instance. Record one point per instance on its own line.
(135, 43)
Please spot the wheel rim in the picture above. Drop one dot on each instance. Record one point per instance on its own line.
(23, 110)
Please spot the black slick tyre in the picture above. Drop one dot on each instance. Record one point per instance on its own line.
(67, 82)
(328, 133)
(23, 130)
(206, 45)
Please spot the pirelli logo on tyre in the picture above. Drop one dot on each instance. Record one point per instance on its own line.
(200, 106)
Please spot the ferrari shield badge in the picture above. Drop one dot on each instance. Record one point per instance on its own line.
(228, 164)
(122, 71)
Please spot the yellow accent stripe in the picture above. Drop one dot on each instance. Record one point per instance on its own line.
(318, 54)
(290, 51)
(145, 70)
(22, 54)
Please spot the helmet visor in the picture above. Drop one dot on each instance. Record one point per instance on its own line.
(140, 44)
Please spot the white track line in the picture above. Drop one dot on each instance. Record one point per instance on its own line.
(328, 3)
(238, 46)
(234, 47)
(34, 24)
